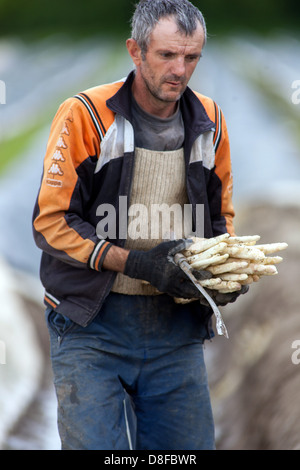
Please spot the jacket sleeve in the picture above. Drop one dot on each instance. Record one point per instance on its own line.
(59, 225)
(220, 189)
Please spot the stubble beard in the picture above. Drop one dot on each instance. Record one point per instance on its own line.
(158, 93)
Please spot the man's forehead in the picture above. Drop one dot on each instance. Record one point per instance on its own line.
(167, 29)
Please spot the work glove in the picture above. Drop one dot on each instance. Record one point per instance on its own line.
(157, 266)
(224, 299)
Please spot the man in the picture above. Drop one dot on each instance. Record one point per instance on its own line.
(127, 360)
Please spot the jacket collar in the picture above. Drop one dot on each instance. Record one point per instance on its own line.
(194, 114)
(121, 102)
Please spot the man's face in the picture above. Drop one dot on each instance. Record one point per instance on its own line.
(170, 61)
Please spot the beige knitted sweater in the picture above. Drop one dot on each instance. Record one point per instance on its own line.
(159, 178)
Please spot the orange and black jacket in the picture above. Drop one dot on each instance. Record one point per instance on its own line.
(89, 163)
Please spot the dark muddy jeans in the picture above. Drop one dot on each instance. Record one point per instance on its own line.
(134, 378)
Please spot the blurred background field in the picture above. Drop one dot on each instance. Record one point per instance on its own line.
(50, 51)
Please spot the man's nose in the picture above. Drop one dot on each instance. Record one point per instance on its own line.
(179, 67)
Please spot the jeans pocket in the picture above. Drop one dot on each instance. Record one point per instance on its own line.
(58, 323)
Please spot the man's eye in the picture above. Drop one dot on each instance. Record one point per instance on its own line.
(192, 58)
(167, 55)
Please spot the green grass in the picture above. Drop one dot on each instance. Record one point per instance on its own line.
(281, 105)
(277, 97)
(12, 148)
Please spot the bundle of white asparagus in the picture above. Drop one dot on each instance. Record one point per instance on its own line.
(233, 261)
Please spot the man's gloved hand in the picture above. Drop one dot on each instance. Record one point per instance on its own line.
(158, 267)
(224, 299)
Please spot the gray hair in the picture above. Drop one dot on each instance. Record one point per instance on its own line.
(149, 12)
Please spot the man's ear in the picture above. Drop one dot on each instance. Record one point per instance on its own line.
(134, 51)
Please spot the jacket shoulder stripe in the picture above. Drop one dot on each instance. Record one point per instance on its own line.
(95, 111)
(92, 114)
(218, 131)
